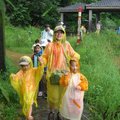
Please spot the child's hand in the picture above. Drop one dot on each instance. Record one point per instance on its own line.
(40, 60)
(78, 87)
(13, 77)
(66, 73)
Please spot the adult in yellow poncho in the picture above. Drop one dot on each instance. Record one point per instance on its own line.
(56, 56)
(26, 82)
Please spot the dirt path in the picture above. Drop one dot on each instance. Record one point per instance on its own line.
(14, 56)
(117, 61)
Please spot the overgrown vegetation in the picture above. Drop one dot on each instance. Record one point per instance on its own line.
(98, 64)
(9, 101)
(38, 13)
(23, 37)
(98, 54)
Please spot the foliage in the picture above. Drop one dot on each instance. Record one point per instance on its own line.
(4, 92)
(2, 6)
(38, 13)
(9, 112)
(32, 12)
(21, 38)
(8, 98)
(98, 64)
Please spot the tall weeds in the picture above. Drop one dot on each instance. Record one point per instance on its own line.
(97, 63)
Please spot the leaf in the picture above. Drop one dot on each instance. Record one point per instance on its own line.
(47, 11)
(11, 4)
(4, 93)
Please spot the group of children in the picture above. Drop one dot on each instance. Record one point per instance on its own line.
(26, 83)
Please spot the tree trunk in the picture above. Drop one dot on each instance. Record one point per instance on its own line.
(2, 40)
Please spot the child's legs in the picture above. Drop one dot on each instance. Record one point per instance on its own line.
(81, 103)
(30, 111)
(41, 85)
(44, 83)
(29, 116)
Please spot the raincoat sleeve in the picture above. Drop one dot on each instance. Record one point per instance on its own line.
(15, 82)
(84, 83)
(39, 72)
(46, 54)
(71, 52)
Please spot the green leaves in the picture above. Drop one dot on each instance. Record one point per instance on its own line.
(4, 92)
(2, 6)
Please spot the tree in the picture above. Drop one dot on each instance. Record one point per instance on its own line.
(27, 12)
(2, 50)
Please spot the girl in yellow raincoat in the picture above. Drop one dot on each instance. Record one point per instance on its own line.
(26, 82)
(75, 84)
(56, 57)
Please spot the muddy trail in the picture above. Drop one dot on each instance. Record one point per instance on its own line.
(14, 56)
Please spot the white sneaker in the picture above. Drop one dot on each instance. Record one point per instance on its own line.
(40, 93)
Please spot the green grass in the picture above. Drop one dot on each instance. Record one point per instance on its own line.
(21, 39)
(9, 101)
(9, 108)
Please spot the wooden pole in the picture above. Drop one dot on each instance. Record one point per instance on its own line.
(2, 45)
(79, 25)
(97, 17)
(90, 20)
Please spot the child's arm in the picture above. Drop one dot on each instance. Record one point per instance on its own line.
(64, 80)
(14, 82)
(84, 83)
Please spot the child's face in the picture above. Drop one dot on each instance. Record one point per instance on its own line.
(73, 67)
(25, 67)
(37, 49)
(59, 35)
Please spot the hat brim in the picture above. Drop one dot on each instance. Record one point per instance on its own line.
(23, 63)
(59, 30)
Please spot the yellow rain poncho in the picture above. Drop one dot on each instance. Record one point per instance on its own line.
(26, 84)
(56, 56)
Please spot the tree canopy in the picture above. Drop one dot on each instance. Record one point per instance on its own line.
(36, 12)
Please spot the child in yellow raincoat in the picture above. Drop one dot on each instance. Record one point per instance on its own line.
(56, 57)
(72, 100)
(26, 82)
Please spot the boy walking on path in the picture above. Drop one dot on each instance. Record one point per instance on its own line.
(26, 82)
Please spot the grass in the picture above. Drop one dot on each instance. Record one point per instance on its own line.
(9, 108)
(97, 63)
(21, 39)
(9, 101)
